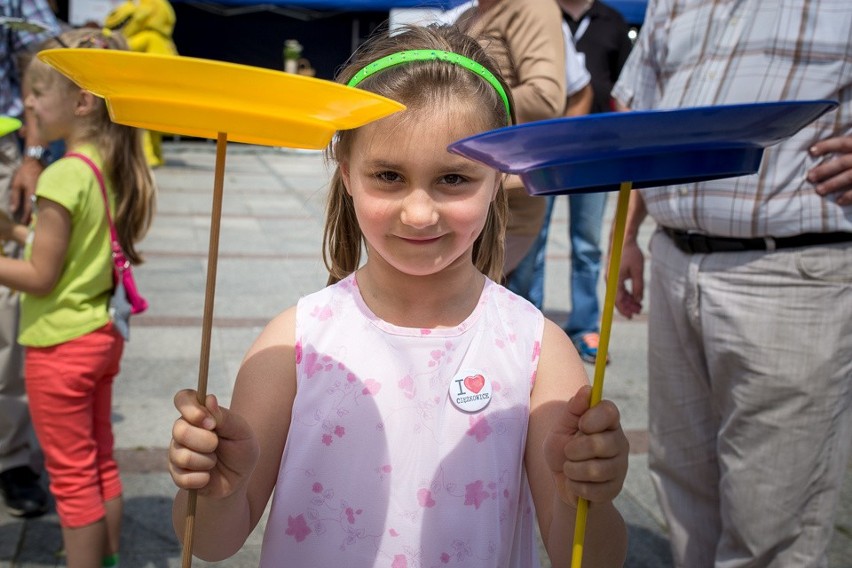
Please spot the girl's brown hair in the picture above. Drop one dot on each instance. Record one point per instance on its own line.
(418, 85)
(120, 146)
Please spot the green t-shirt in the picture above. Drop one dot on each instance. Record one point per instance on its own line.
(78, 304)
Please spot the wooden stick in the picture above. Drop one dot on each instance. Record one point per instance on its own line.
(207, 323)
(600, 361)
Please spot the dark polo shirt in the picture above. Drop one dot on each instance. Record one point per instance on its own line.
(605, 44)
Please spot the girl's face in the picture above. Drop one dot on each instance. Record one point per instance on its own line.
(419, 207)
(53, 105)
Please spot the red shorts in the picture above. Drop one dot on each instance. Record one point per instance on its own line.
(69, 387)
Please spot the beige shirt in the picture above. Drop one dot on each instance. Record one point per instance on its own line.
(524, 37)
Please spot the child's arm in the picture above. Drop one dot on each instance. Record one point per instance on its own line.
(39, 274)
(574, 451)
(235, 464)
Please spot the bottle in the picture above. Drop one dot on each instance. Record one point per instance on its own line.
(292, 53)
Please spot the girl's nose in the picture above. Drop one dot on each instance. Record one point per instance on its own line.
(418, 210)
(29, 101)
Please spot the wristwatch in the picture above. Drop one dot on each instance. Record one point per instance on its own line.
(35, 152)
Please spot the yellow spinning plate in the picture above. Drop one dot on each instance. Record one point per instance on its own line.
(200, 97)
(8, 125)
(211, 99)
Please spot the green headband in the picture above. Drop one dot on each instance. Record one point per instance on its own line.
(432, 55)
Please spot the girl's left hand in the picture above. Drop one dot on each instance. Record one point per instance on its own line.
(587, 450)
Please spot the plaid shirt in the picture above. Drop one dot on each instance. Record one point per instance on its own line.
(13, 43)
(714, 52)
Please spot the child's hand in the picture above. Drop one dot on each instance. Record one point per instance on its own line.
(6, 226)
(587, 451)
(212, 449)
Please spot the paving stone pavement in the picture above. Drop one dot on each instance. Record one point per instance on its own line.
(269, 257)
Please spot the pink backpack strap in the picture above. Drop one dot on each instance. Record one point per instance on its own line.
(118, 253)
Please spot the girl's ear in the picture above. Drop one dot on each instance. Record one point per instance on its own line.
(86, 103)
(344, 175)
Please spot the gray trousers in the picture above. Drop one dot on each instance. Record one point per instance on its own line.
(17, 441)
(750, 388)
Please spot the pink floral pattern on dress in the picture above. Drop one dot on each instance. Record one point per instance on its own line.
(332, 431)
(424, 497)
(322, 313)
(479, 427)
(406, 384)
(371, 387)
(297, 528)
(475, 494)
(316, 362)
(441, 356)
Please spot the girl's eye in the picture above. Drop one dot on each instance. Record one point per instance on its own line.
(454, 179)
(387, 177)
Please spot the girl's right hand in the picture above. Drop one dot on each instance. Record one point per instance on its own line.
(213, 449)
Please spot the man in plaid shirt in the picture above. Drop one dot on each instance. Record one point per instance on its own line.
(750, 319)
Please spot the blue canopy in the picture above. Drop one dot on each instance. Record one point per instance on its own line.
(347, 5)
(633, 10)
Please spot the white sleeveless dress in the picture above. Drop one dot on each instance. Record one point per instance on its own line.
(389, 461)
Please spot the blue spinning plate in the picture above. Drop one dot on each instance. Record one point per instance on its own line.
(648, 148)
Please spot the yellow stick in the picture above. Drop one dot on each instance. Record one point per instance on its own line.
(207, 323)
(600, 361)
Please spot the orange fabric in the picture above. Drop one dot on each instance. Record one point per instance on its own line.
(69, 387)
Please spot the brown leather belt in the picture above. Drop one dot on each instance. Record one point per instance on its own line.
(697, 243)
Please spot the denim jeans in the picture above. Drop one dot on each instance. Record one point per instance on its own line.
(585, 219)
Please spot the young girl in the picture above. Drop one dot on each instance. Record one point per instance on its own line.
(72, 349)
(413, 413)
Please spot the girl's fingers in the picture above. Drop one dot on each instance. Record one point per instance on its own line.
(186, 459)
(594, 471)
(189, 479)
(603, 417)
(197, 439)
(605, 445)
(186, 402)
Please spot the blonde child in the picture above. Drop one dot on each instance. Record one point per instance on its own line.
(413, 413)
(66, 276)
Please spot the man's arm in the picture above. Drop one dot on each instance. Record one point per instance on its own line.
(25, 178)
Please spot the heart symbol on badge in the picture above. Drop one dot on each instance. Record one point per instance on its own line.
(474, 383)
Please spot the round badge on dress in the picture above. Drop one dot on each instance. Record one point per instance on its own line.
(470, 390)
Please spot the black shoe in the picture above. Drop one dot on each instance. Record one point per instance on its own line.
(22, 493)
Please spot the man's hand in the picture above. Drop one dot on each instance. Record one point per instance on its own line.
(23, 188)
(834, 174)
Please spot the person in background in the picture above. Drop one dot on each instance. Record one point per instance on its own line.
(148, 26)
(20, 166)
(525, 39)
(600, 35)
(750, 320)
(413, 412)
(73, 350)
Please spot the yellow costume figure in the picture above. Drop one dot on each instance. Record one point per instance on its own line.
(148, 27)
